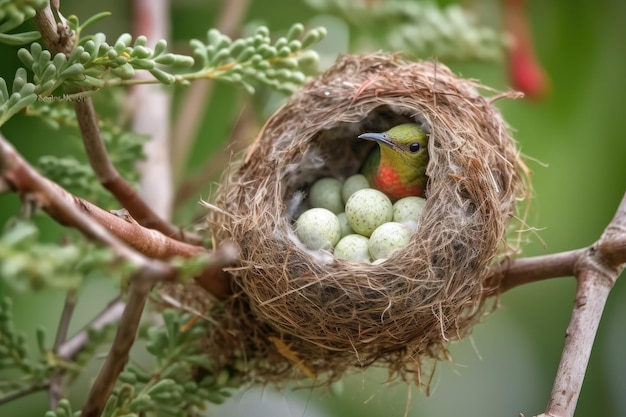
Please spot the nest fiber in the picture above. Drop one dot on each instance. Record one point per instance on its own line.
(305, 313)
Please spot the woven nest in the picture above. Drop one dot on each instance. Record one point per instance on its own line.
(298, 313)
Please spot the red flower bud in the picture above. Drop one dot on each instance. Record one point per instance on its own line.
(525, 71)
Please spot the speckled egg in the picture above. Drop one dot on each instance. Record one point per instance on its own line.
(352, 185)
(388, 238)
(353, 247)
(318, 228)
(326, 193)
(367, 209)
(408, 208)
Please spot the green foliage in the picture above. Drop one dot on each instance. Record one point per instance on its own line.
(169, 390)
(34, 372)
(12, 14)
(282, 64)
(63, 409)
(125, 150)
(423, 29)
(94, 64)
(26, 263)
(14, 355)
(181, 383)
(22, 95)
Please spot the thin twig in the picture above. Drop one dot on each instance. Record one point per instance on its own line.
(73, 346)
(66, 318)
(22, 392)
(124, 339)
(55, 390)
(112, 181)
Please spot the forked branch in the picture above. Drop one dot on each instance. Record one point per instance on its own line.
(596, 269)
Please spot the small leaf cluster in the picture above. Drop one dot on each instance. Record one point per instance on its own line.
(63, 409)
(12, 14)
(34, 372)
(183, 380)
(280, 64)
(95, 64)
(26, 263)
(424, 29)
(77, 176)
(22, 95)
(14, 354)
(125, 150)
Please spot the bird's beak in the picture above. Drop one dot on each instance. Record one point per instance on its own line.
(378, 137)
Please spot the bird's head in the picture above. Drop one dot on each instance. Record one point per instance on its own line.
(404, 147)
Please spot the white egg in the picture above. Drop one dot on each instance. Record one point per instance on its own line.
(408, 209)
(387, 239)
(318, 228)
(367, 209)
(353, 247)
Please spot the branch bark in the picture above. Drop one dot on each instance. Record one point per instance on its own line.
(597, 269)
(55, 390)
(128, 239)
(124, 339)
(21, 177)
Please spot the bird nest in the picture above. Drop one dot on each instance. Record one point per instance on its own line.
(296, 312)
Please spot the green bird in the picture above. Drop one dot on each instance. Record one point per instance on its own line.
(397, 166)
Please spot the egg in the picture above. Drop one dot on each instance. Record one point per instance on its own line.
(318, 228)
(326, 193)
(345, 226)
(353, 184)
(367, 209)
(353, 247)
(388, 238)
(408, 210)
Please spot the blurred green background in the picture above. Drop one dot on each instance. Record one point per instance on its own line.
(576, 150)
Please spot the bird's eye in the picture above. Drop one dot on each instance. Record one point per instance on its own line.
(414, 147)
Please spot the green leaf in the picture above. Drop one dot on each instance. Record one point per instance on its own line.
(22, 38)
(92, 20)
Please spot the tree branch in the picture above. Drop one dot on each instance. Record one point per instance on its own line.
(74, 345)
(129, 240)
(96, 151)
(22, 393)
(55, 390)
(116, 360)
(513, 273)
(597, 272)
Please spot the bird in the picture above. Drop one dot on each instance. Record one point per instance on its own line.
(397, 166)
